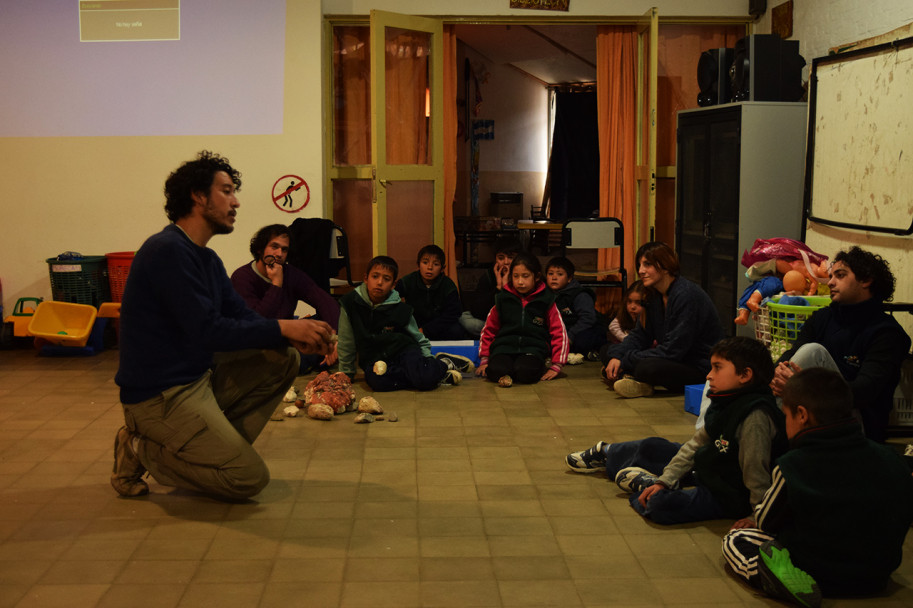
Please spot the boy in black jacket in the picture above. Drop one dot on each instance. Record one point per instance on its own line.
(731, 456)
(433, 296)
(834, 519)
(577, 305)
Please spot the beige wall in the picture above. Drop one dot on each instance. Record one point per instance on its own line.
(102, 194)
(820, 25)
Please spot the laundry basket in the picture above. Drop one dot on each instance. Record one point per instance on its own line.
(79, 279)
(777, 325)
(118, 269)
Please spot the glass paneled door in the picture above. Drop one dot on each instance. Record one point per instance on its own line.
(407, 133)
(386, 166)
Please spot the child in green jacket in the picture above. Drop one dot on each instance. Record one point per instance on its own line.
(377, 330)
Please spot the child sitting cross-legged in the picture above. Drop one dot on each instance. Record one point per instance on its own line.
(377, 329)
(730, 456)
(433, 296)
(524, 337)
(577, 305)
(834, 519)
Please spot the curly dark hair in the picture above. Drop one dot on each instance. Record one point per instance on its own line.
(868, 266)
(194, 176)
(260, 240)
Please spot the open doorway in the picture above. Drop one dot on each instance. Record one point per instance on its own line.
(513, 157)
(510, 79)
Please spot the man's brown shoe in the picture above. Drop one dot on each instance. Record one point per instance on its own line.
(127, 477)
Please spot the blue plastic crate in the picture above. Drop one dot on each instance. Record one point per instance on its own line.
(465, 348)
(693, 394)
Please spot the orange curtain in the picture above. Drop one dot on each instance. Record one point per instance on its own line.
(352, 95)
(615, 91)
(407, 80)
(450, 147)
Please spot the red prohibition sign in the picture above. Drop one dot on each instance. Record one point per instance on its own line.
(286, 196)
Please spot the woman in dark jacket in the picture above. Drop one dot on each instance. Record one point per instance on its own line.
(671, 347)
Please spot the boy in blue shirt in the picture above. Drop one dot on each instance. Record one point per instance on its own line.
(377, 330)
(433, 296)
(834, 519)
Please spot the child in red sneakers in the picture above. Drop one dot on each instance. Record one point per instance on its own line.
(840, 505)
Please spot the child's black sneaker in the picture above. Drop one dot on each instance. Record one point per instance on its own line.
(781, 579)
(460, 363)
(588, 461)
(634, 479)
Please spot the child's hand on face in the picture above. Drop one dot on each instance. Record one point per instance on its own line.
(502, 274)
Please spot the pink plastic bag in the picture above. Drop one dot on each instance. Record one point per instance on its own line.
(779, 248)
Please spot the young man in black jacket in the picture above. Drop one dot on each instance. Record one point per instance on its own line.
(854, 336)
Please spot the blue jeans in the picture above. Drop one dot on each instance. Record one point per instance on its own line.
(652, 454)
(668, 507)
(408, 369)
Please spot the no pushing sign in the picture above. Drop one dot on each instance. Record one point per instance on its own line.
(291, 193)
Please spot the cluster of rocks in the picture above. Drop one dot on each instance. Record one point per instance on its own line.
(328, 395)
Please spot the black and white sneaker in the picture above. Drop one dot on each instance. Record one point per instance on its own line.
(460, 363)
(588, 461)
(634, 479)
(452, 377)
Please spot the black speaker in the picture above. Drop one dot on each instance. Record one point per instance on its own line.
(713, 77)
(756, 8)
(766, 68)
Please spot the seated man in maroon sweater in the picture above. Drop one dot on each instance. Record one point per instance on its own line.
(273, 288)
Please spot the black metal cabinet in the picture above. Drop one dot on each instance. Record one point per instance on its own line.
(739, 177)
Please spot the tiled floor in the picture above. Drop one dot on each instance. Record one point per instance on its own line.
(463, 502)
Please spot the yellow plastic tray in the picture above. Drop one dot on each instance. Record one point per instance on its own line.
(63, 323)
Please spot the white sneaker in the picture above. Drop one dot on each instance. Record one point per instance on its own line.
(629, 388)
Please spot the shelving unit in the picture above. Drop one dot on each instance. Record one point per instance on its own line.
(740, 175)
